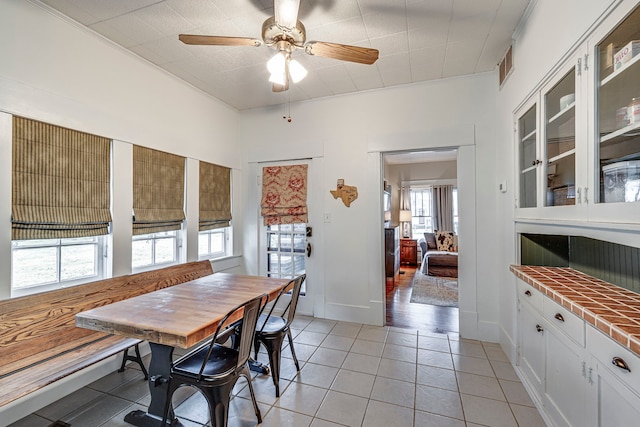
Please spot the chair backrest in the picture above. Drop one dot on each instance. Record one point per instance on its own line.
(290, 310)
(249, 319)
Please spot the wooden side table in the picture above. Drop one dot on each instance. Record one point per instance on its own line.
(409, 252)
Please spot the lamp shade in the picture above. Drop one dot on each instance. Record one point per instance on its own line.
(405, 216)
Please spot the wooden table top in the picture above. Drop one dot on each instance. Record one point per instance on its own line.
(181, 315)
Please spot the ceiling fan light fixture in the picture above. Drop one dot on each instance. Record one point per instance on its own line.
(276, 64)
(296, 71)
(286, 12)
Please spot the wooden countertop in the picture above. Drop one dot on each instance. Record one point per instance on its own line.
(612, 309)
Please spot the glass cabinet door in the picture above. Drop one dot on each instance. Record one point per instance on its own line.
(618, 112)
(560, 141)
(528, 162)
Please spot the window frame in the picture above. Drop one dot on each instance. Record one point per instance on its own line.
(227, 243)
(415, 219)
(177, 247)
(100, 244)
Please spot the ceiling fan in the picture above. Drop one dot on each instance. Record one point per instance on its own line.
(284, 33)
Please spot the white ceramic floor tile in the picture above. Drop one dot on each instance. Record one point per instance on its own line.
(346, 329)
(527, 416)
(397, 369)
(394, 391)
(321, 325)
(263, 389)
(468, 348)
(437, 377)
(504, 371)
(516, 393)
(303, 351)
(373, 334)
(310, 338)
(487, 411)
(439, 401)
(302, 398)
(495, 352)
(281, 417)
(361, 363)
(400, 330)
(398, 338)
(352, 382)
(479, 385)
(381, 414)
(343, 409)
(435, 358)
(472, 365)
(435, 344)
(434, 420)
(317, 422)
(398, 352)
(241, 412)
(317, 375)
(337, 342)
(370, 348)
(328, 357)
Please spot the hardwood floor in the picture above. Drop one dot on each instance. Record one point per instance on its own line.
(402, 313)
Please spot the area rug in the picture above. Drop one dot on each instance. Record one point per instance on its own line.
(434, 290)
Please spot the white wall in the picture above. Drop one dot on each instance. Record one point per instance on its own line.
(55, 71)
(350, 132)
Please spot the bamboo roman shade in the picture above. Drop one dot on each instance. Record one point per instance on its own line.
(158, 191)
(284, 194)
(215, 196)
(60, 182)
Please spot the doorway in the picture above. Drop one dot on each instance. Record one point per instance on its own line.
(416, 296)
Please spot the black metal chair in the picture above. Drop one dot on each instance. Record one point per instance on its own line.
(214, 369)
(271, 330)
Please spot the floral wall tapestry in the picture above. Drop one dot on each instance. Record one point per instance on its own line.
(284, 194)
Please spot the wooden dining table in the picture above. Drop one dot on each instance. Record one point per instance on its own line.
(178, 316)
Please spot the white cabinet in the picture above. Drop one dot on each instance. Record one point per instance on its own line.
(578, 136)
(615, 379)
(569, 366)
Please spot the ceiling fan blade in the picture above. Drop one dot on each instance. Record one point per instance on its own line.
(343, 52)
(218, 40)
(275, 87)
(286, 12)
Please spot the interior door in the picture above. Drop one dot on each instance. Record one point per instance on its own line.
(288, 250)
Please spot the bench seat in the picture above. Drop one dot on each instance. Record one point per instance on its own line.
(40, 343)
(42, 374)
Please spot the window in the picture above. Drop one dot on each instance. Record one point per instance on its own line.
(421, 212)
(286, 251)
(214, 243)
(43, 264)
(455, 210)
(154, 250)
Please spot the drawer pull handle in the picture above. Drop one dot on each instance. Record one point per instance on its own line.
(620, 363)
(559, 317)
(527, 293)
(539, 328)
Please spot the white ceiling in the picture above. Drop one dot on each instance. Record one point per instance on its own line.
(418, 40)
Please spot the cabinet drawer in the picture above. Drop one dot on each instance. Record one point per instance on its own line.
(564, 320)
(604, 348)
(528, 294)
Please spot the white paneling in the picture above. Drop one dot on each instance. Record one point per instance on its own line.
(122, 209)
(192, 210)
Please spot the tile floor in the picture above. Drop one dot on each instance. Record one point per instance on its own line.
(351, 375)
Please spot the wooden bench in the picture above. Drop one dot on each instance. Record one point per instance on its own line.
(39, 342)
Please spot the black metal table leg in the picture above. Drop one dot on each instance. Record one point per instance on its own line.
(159, 371)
